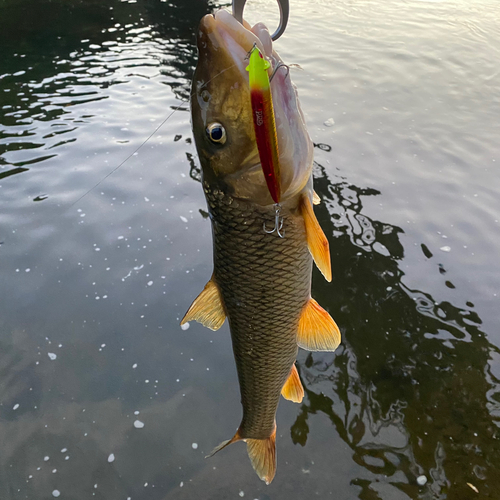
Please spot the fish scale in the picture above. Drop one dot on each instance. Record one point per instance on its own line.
(265, 282)
(261, 281)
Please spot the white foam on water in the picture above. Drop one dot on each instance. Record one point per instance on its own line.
(421, 480)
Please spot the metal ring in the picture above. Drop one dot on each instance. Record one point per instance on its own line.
(239, 5)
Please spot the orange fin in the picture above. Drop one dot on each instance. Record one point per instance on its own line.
(293, 390)
(207, 308)
(316, 198)
(317, 330)
(262, 453)
(235, 438)
(316, 239)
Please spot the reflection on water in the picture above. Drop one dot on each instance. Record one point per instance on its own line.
(411, 389)
(92, 294)
(69, 52)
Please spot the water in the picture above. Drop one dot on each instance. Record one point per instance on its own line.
(103, 395)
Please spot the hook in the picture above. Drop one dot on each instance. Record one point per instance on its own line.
(278, 222)
(239, 5)
(249, 53)
(278, 66)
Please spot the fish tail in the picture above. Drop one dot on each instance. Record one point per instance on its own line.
(235, 438)
(262, 453)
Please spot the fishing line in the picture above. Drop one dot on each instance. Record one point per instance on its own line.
(178, 108)
(127, 158)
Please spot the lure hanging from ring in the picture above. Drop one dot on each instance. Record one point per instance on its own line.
(264, 122)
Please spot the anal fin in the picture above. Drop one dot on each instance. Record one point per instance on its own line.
(316, 239)
(207, 308)
(317, 330)
(262, 453)
(293, 390)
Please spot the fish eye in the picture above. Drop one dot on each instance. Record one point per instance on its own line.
(216, 133)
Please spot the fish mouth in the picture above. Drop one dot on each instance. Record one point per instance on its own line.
(230, 42)
(237, 39)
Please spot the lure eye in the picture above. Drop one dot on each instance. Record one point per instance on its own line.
(216, 133)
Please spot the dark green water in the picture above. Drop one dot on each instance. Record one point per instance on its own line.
(92, 289)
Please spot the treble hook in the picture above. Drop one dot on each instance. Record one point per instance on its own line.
(239, 5)
(278, 222)
(278, 66)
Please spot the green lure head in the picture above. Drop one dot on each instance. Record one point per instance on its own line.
(257, 70)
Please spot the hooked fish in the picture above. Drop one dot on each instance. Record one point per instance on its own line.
(261, 282)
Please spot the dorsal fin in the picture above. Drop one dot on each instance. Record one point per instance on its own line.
(207, 308)
(316, 239)
(293, 390)
(317, 330)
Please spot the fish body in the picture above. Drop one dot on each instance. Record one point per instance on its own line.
(264, 283)
(261, 282)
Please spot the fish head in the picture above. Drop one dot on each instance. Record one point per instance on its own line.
(222, 117)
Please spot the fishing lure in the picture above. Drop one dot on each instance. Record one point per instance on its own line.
(264, 122)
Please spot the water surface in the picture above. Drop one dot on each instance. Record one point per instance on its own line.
(93, 285)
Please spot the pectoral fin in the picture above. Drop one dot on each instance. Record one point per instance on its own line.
(293, 390)
(317, 330)
(207, 308)
(316, 239)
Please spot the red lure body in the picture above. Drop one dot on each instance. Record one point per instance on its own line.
(267, 142)
(264, 122)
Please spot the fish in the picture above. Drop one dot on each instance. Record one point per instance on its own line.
(261, 280)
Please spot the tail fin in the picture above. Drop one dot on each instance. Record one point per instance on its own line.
(262, 453)
(235, 438)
